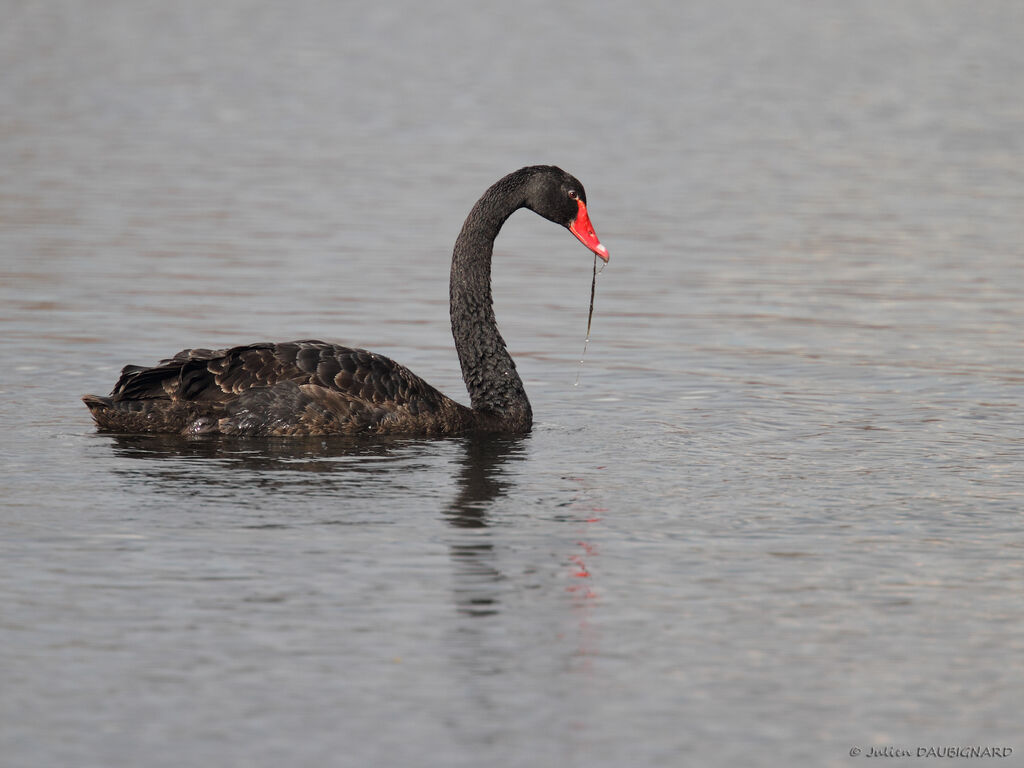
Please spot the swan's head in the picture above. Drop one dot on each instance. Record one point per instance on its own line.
(559, 197)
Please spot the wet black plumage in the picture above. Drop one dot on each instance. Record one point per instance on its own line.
(315, 388)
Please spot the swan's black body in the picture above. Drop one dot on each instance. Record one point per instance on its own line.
(315, 388)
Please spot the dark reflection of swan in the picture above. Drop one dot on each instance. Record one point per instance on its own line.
(367, 474)
(314, 454)
(358, 468)
(480, 481)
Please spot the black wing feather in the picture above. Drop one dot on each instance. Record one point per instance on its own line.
(299, 387)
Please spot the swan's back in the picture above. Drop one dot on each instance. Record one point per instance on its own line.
(292, 388)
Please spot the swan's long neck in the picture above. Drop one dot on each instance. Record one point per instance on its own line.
(495, 390)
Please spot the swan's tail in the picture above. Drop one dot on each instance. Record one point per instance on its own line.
(142, 416)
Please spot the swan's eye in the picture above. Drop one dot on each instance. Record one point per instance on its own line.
(572, 194)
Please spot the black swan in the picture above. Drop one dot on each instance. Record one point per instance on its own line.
(315, 388)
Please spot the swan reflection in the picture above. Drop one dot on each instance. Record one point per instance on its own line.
(376, 479)
(481, 480)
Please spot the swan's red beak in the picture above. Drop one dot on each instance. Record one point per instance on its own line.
(584, 231)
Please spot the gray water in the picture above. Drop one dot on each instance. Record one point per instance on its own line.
(778, 520)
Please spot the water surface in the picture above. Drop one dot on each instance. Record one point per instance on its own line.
(778, 519)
